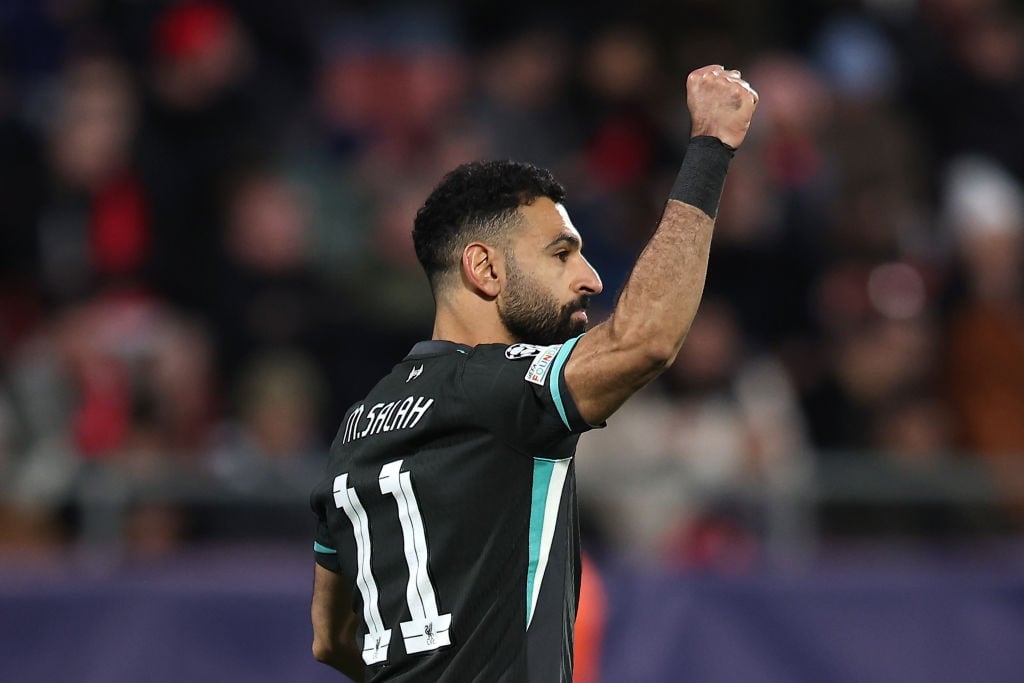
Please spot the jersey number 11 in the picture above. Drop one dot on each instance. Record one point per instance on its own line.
(427, 630)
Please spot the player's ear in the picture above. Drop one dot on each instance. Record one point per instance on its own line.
(480, 268)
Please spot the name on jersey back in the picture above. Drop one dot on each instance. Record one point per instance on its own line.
(385, 417)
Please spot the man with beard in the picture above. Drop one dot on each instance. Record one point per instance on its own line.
(447, 547)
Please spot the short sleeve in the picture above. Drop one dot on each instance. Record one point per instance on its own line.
(324, 551)
(556, 389)
(520, 392)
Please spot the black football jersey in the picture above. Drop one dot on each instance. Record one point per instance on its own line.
(449, 502)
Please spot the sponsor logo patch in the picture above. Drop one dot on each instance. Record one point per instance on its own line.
(541, 364)
(517, 351)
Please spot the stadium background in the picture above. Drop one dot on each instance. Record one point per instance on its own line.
(204, 257)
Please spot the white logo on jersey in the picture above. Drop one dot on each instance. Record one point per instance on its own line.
(541, 364)
(517, 351)
(414, 373)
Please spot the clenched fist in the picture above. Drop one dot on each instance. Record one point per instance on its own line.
(721, 104)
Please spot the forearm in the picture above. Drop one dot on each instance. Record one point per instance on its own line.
(335, 627)
(334, 644)
(661, 296)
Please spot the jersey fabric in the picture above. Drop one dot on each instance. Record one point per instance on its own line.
(449, 503)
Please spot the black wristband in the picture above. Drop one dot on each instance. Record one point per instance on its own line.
(702, 175)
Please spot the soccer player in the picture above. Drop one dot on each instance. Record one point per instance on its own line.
(447, 547)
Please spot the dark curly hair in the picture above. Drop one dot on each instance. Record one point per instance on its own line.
(476, 201)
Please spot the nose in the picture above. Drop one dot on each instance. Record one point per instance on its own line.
(589, 282)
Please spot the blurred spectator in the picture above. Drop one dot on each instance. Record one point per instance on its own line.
(914, 429)
(387, 98)
(623, 148)
(985, 360)
(268, 297)
(773, 229)
(133, 376)
(389, 83)
(720, 434)
(118, 397)
(205, 118)
(965, 71)
(143, 378)
(521, 103)
(274, 444)
(875, 359)
(94, 226)
(619, 72)
(270, 455)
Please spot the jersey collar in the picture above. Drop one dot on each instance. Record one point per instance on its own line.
(437, 347)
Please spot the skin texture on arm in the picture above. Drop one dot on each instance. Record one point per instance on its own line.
(335, 625)
(661, 296)
(642, 336)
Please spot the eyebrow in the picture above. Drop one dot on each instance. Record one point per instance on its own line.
(568, 238)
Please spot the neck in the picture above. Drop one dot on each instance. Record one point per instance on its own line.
(470, 322)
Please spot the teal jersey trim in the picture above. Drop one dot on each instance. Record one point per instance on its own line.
(545, 500)
(542, 470)
(321, 548)
(556, 372)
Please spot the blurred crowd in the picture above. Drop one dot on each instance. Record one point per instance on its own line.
(205, 252)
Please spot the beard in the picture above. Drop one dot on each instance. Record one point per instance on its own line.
(533, 316)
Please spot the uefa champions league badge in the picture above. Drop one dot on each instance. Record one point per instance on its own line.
(517, 351)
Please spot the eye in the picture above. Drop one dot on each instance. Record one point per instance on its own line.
(562, 256)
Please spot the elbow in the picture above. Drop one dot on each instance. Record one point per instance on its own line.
(340, 656)
(649, 347)
(650, 359)
(322, 651)
(659, 355)
(656, 353)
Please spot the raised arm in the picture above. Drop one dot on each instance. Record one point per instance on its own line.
(654, 311)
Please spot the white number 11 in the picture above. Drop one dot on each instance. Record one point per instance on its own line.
(427, 630)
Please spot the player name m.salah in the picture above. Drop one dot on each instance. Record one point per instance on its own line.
(385, 417)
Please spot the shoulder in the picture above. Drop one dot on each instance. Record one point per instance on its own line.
(504, 352)
(530, 363)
